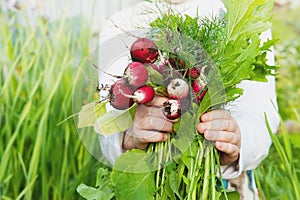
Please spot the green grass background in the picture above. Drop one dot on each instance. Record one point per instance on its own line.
(278, 175)
(41, 158)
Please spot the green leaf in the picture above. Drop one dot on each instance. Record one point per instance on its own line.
(115, 121)
(89, 114)
(247, 17)
(136, 161)
(173, 183)
(101, 173)
(155, 77)
(268, 44)
(244, 55)
(168, 193)
(91, 193)
(133, 176)
(230, 195)
(134, 186)
(185, 133)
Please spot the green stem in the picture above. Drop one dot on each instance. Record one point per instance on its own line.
(206, 174)
(190, 174)
(195, 174)
(217, 158)
(164, 156)
(181, 170)
(213, 174)
(157, 147)
(191, 193)
(165, 147)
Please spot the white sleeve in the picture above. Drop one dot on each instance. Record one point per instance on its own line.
(259, 98)
(111, 146)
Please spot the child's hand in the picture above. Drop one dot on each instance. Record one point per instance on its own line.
(149, 125)
(221, 127)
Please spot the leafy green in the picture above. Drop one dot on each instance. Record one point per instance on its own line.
(172, 182)
(89, 192)
(92, 193)
(115, 121)
(244, 56)
(247, 17)
(194, 40)
(185, 133)
(104, 189)
(231, 44)
(89, 114)
(134, 186)
(154, 77)
(133, 176)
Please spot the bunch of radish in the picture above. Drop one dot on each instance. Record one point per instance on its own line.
(181, 84)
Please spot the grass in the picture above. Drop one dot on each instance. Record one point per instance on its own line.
(39, 158)
(286, 27)
(279, 174)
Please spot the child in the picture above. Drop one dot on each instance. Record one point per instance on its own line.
(240, 135)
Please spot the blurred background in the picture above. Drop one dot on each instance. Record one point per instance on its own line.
(42, 45)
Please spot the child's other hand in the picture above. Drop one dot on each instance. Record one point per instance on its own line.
(221, 127)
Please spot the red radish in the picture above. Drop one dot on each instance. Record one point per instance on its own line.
(172, 108)
(198, 86)
(144, 50)
(193, 73)
(136, 74)
(143, 94)
(178, 89)
(117, 98)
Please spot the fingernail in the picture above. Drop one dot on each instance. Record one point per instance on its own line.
(208, 136)
(202, 127)
(165, 137)
(204, 117)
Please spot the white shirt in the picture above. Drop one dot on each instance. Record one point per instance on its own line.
(248, 110)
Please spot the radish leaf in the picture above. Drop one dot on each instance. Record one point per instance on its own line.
(89, 114)
(247, 17)
(115, 121)
(133, 176)
(92, 193)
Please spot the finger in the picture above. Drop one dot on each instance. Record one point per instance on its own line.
(215, 114)
(222, 136)
(218, 125)
(227, 148)
(143, 111)
(230, 151)
(154, 123)
(157, 101)
(159, 113)
(142, 138)
(148, 136)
